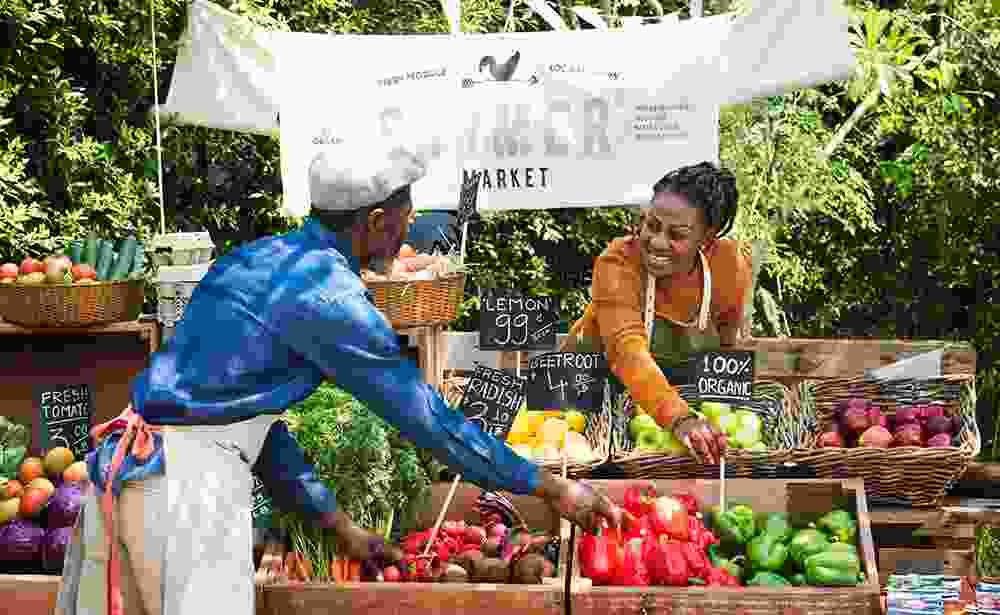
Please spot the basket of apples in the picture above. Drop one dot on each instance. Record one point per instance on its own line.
(89, 285)
(909, 439)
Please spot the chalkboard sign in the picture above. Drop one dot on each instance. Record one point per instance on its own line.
(262, 508)
(509, 320)
(66, 414)
(567, 380)
(919, 566)
(492, 399)
(724, 375)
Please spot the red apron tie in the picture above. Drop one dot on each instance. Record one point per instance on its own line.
(137, 436)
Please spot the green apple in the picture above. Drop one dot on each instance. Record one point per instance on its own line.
(760, 447)
(714, 409)
(650, 439)
(672, 446)
(641, 423)
(744, 439)
(724, 423)
(748, 421)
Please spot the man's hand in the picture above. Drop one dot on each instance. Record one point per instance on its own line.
(578, 502)
(361, 544)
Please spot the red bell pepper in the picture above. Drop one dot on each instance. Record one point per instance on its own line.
(639, 499)
(636, 527)
(699, 534)
(669, 517)
(600, 557)
(666, 562)
(718, 577)
(415, 542)
(633, 570)
(689, 501)
(454, 529)
(697, 560)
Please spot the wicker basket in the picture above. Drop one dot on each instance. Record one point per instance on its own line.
(597, 433)
(773, 400)
(62, 305)
(914, 476)
(421, 302)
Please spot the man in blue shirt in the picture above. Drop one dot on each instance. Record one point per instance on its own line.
(265, 327)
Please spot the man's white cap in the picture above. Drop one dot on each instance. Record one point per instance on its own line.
(344, 179)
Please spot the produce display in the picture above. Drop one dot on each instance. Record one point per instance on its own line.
(667, 541)
(742, 426)
(39, 504)
(83, 262)
(548, 435)
(860, 423)
(409, 265)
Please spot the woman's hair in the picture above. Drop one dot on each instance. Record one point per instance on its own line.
(707, 187)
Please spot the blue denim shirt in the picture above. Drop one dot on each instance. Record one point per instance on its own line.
(264, 328)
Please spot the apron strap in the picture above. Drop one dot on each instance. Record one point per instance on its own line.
(649, 301)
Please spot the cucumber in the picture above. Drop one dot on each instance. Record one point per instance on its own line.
(104, 257)
(75, 251)
(90, 252)
(126, 257)
(139, 262)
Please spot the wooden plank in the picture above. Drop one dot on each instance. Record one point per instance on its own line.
(982, 471)
(147, 330)
(29, 594)
(957, 562)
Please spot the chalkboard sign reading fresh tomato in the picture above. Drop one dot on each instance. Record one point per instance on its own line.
(567, 380)
(66, 414)
(724, 375)
(492, 399)
(262, 507)
(510, 321)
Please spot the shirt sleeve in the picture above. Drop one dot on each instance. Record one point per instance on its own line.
(616, 300)
(288, 478)
(355, 346)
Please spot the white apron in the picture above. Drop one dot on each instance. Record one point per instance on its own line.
(185, 539)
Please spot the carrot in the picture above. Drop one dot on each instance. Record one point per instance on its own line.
(289, 567)
(344, 570)
(355, 570)
(307, 569)
(337, 570)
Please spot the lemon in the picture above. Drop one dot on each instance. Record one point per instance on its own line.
(524, 450)
(576, 420)
(553, 432)
(577, 448)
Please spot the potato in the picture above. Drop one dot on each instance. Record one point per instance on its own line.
(529, 570)
(491, 548)
(453, 573)
(491, 570)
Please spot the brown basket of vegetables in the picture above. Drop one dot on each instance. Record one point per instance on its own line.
(63, 292)
(761, 433)
(908, 439)
(420, 290)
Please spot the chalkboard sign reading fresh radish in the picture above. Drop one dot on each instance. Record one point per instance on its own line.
(724, 375)
(567, 381)
(66, 414)
(511, 321)
(492, 399)
(262, 507)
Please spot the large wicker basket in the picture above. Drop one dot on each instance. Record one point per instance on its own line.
(420, 302)
(911, 475)
(64, 305)
(781, 419)
(597, 433)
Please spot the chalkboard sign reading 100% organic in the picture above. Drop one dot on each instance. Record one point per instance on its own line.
(725, 375)
(492, 399)
(510, 321)
(567, 380)
(66, 414)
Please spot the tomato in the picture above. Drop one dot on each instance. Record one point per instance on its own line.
(30, 265)
(83, 272)
(9, 270)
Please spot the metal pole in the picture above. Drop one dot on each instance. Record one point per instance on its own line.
(695, 8)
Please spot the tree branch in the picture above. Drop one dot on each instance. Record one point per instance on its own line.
(851, 122)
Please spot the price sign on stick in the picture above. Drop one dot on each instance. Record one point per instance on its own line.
(724, 375)
(511, 321)
(262, 507)
(66, 414)
(468, 198)
(559, 380)
(492, 399)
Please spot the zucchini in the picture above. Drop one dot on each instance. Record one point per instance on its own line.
(105, 256)
(126, 256)
(139, 262)
(75, 251)
(90, 252)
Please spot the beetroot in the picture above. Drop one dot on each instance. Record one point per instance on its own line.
(497, 530)
(474, 535)
(907, 415)
(932, 410)
(54, 548)
(875, 416)
(21, 542)
(939, 425)
(909, 435)
(830, 439)
(939, 440)
(856, 420)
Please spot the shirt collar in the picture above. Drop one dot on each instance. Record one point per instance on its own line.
(315, 230)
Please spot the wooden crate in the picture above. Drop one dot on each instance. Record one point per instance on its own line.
(428, 598)
(798, 496)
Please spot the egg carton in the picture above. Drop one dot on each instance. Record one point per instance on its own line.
(174, 286)
(182, 249)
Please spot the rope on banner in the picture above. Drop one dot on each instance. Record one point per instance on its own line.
(156, 118)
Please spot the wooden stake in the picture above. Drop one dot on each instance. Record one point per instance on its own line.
(722, 483)
(444, 511)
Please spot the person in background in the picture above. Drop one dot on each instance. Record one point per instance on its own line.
(168, 528)
(671, 290)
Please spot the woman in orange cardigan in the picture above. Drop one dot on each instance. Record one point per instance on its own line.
(673, 290)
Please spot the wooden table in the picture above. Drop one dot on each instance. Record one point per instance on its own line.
(432, 345)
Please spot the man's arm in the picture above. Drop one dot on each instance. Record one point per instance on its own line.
(289, 479)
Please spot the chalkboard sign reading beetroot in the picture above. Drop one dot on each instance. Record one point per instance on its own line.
(492, 399)
(511, 321)
(724, 375)
(66, 414)
(567, 380)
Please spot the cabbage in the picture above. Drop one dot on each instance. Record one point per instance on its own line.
(54, 548)
(21, 542)
(64, 506)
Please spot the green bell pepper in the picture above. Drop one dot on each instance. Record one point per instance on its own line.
(798, 579)
(768, 579)
(736, 526)
(777, 524)
(843, 547)
(805, 543)
(767, 553)
(732, 565)
(840, 525)
(834, 568)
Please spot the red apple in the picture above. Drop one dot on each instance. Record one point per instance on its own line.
(33, 500)
(8, 270)
(906, 415)
(856, 420)
(875, 437)
(875, 416)
(30, 265)
(830, 439)
(940, 440)
(909, 434)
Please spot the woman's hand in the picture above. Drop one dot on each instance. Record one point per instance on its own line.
(578, 502)
(705, 443)
(361, 544)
